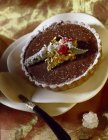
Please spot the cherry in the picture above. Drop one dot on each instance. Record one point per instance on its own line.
(63, 49)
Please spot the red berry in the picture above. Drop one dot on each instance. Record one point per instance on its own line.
(63, 49)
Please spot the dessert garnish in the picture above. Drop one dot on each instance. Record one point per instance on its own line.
(59, 50)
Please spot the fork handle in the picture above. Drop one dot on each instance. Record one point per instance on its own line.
(60, 133)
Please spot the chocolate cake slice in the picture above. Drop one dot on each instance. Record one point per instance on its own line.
(61, 56)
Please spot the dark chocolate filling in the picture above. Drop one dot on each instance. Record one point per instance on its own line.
(70, 69)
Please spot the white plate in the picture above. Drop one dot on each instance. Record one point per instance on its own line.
(79, 94)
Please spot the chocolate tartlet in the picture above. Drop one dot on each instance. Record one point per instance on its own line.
(61, 56)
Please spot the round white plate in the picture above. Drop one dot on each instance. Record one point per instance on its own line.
(79, 94)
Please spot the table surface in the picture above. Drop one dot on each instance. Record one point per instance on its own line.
(20, 17)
